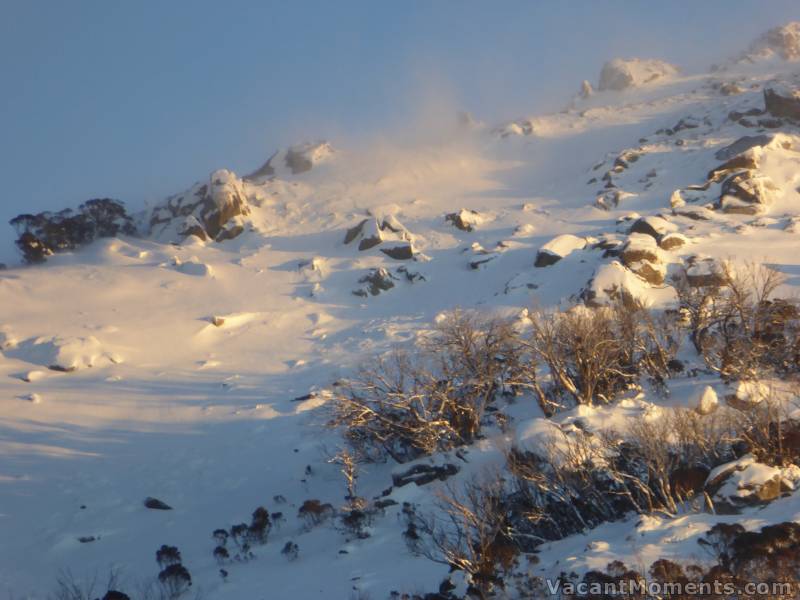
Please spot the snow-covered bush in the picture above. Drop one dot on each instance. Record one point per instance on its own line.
(433, 398)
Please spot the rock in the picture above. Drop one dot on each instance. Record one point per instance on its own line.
(115, 595)
(744, 193)
(557, 248)
(218, 321)
(742, 483)
(156, 504)
(652, 273)
(748, 394)
(676, 199)
(704, 272)
(424, 474)
(376, 281)
(296, 160)
(373, 232)
(671, 241)
(653, 226)
(211, 210)
(402, 252)
(620, 74)
(465, 220)
(742, 145)
(705, 401)
(695, 213)
(32, 398)
(741, 162)
(640, 247)
(730, 89)
(783, 102)
(44, 234)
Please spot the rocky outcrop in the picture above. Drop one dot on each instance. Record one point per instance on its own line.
(44, 234)
(208, 211)
(373, 232)
(465, 220)
(293, 161)
(375, 282)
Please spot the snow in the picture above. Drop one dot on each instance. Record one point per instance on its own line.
(231, 349)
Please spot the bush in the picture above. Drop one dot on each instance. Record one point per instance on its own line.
(314, 512)
(409, 405)
(738, 326)
(590, 355)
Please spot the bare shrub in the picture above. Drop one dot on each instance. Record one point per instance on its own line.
(737, 324)
(471, 533)
(584, 479)
(590, 355)
(411, 404)
(69, 588)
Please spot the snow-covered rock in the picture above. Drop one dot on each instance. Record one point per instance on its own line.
(621, 74)
(557, 248)
(705, 401)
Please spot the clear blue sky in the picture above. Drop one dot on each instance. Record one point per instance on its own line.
(137, 99)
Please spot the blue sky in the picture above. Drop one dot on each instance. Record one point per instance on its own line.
(138, 99)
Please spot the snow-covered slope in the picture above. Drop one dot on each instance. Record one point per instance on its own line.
(190, 364)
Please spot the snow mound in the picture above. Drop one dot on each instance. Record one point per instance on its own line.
(621, 74)
(64, 353)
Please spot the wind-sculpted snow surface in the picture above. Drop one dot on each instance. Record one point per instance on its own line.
(196, 359)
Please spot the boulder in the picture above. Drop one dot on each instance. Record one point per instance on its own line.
(557, 248)
(745, 193)
(654, 226)
(783, 102)
(705, 401)
(742, 483)
(748, 394)
(671, 241)
(465, 220)
(375, 282)
(401, 252)
(704, 272)
(640, 247)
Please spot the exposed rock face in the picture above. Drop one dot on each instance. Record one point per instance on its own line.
(783, 102)
(746, 193)
(620, 74)
(43, 234)
(210, 211)
(293, 161)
